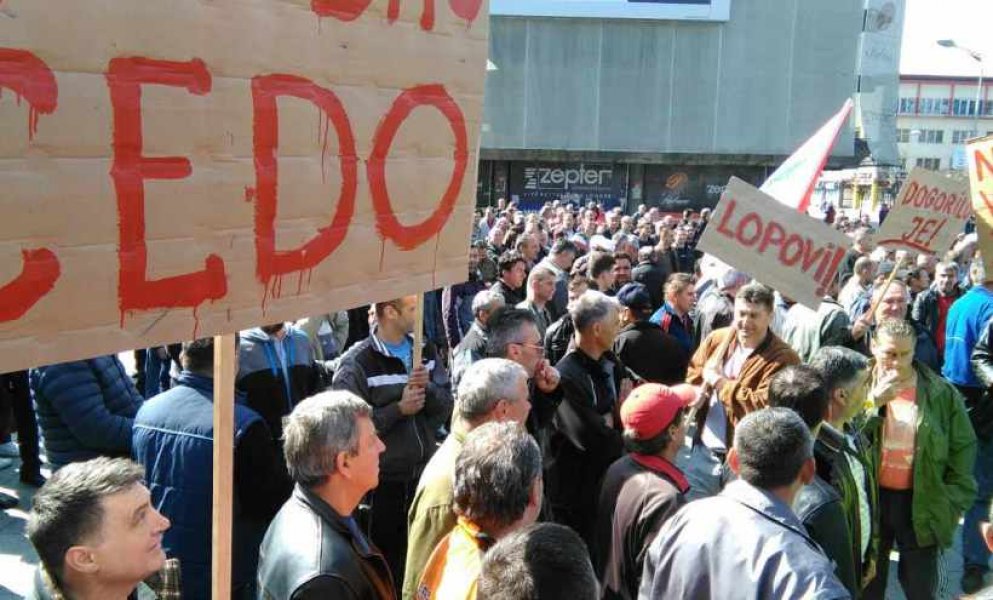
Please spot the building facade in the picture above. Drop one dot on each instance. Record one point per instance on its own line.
(936, 116)
(661, 112)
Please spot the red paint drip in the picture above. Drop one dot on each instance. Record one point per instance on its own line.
(196, 322)
(30, 78)
(343, 10)
(466, 9)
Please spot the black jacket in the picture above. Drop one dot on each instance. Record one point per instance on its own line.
(370, 372)
(713, 311)
(819, 506)
(925, 310)
(558, 338)
(651, 353)
(581, 444)
(981, 410)
(652, 276)
(511, 297)
(309, 553)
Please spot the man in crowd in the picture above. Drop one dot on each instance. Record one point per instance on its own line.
(674, 315)
(275, 371)
(622, 270)
(848, 461)
(541, 289)
(86, 409)
(497, 490)
(601, 271)
(893, 303)
(173, 440)
(926, 451)
(514, 336)
(492, 390)
(584, 440)
(747, 542)
(734, 367)
(314, 548)
(456, 300)
(857, 290)
(560, 258)
(513, 272)
(685, 251)
(651, 274)
(931, 307)
(861, 248)
(807, 331)
(643, 489)
(473, 345)
(529, 248)
(818, 505)
(558, 338)
(409, 403)
(967, 319)
(546, 560)
(98, 536)
(715, 308)
(642, 346)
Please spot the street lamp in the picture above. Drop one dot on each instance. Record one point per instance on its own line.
(976, 56)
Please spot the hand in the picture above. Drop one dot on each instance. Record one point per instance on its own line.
(412, 400)
(546, 377)
(418, 377)
(860, 327)
(987, 531)
(884, 388)
(713, 378)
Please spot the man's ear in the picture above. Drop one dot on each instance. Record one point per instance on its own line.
(341, 464)
(734, 463)
(808, 471)
(80, 559)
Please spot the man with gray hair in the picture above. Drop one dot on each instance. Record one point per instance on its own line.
(473, 345)
(497, 491)
(492, 389)
(715, 307)
(314, 547)
(584, 439)
(931, 306)
(541, 289)
(747, 542)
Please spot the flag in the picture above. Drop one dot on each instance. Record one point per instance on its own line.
(793, 182)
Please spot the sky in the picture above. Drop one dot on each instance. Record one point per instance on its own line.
(968, 22)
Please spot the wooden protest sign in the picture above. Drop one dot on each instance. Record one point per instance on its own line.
(928, 213)
(178, 169)
(979, 154)
(775, 244)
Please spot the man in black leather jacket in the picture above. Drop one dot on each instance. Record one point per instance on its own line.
(818, 505)
(314, 547)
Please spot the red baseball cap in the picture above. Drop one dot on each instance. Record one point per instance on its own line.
(651, 407)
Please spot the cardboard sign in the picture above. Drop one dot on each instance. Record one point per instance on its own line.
(171, 170)
(979, 155)
(797, 255)
(928, 213)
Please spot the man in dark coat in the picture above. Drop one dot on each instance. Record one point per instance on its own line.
(585, 438)
(652, 274)
(652, 354)
(643, 489)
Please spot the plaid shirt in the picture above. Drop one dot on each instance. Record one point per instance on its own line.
(164, 585)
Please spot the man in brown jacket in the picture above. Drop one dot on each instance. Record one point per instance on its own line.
(733, 367)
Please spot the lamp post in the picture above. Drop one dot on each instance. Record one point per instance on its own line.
(976, 56)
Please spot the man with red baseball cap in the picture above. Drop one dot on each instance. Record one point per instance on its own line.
(642, 489)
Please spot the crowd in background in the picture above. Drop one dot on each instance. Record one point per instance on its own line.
(600, 411)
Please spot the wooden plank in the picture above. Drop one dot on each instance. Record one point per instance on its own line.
(225, 361)
(418, 331)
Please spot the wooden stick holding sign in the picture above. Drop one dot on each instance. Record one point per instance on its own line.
(871, 314)
(225, 362)
(417, 350)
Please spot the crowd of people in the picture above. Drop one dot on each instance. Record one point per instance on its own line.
(600, 411)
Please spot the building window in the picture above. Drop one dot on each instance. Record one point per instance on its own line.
(929, 163)
(931, 136)
(959, 136)
(903, 136)
(908, 105)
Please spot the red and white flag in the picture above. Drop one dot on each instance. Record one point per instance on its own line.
(793, 182)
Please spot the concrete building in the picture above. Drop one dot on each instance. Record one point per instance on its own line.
(660, 111)
(935, 117)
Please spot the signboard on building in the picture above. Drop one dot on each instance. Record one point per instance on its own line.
(797, 255)
(180, 169)
(673, 10)
(676, 188)
(929, 212)
(533, 184)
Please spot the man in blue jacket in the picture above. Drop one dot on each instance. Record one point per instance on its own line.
(173, 440)
(966, 319)
(86, 409)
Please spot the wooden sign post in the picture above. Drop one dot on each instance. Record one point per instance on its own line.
(225, 365)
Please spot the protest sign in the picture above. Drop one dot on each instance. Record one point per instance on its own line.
(979, 155)
(785, 249)
(928, 213)
(186, 168)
